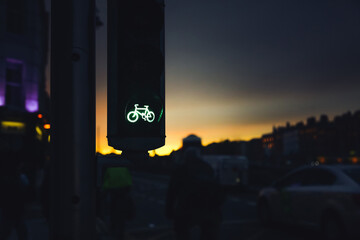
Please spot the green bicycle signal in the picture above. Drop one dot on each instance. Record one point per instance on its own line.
(144, 112)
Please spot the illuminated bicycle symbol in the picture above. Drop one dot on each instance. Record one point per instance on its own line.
(144, 112)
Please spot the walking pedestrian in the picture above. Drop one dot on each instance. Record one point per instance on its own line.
(194, 198)
(117, 186)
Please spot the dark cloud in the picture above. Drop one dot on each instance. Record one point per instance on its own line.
(268, 46)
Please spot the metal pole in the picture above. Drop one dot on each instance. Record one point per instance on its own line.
(72, 186)
(98, 139)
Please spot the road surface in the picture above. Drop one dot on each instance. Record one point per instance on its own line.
(239, 215)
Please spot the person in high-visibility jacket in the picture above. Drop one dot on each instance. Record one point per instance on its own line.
(117, 184)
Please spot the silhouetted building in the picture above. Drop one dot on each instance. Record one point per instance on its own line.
(254, 151)
(291, 142)
(192, 141)
(226, 148)
(268, 143)
(24, 103)
(329, 141)
(23, 55)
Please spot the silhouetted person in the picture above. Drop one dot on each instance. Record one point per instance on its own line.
(194, 198)
(117, 186)
(15, 195)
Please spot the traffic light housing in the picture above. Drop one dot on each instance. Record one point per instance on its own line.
(136, 74)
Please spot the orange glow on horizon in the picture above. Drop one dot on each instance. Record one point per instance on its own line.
(174, 138)
(178, 128)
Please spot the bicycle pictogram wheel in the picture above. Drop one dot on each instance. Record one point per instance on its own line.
(150, 116)
(132, 116)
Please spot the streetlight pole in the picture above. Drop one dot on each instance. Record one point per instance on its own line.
(72, 182)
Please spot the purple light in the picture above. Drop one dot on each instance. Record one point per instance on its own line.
(2, 99)
(2, 92)
(32, 96)
(29, 83)
(32, 105)
(12, 60)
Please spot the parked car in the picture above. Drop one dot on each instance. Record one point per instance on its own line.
(326, 197)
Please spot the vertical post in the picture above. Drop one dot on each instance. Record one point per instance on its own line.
(98, 139)
(72, 186)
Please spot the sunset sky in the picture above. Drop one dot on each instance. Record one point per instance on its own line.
(235, 69)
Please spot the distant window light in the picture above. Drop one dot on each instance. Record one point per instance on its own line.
(14, 96)
(15, 16)
(354, 160)
(14, 83)
(322, 160)
(14, 74)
